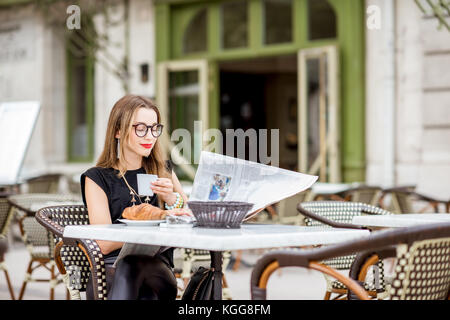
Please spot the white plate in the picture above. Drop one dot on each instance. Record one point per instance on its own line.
(141, 222)
(176, 225)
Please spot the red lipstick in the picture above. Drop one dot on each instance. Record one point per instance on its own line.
(147, 146)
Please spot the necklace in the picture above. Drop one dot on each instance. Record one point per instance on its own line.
(134, 193)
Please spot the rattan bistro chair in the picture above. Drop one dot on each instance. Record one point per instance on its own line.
(46, 183)
(405, 199)
(339, 214)
(422, 270)
(76, 259)
(37, 240)
(5, 219)
(365, 194)
(287, 213)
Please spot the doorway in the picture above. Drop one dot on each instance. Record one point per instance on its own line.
(262, 94)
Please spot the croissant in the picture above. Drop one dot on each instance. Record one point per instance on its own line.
(144, 211)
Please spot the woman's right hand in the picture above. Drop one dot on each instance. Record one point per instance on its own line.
(180, 212)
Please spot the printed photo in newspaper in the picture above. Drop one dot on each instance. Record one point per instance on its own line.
(219, 187)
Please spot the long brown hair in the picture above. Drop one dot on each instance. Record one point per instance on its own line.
(120, 120)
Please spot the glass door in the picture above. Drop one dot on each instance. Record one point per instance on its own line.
(182, 97)
(318, 109)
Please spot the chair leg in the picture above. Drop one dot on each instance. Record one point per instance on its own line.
(52, 282)
(327, 295)
(187, 267)
(225, 289)
(8, 282)
(273, 213)
(237, 262)
(224, 282)
(25, 281)
(186, 282)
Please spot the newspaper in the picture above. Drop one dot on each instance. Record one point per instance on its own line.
(224, 178)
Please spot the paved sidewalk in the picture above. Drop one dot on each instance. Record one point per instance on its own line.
(289, 283)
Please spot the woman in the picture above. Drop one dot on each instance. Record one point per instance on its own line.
(132, 147)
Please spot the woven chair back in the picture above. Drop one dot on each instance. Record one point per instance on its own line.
(401, 202)
(5, 217)
(367, 195)
(343, 212)
(73, 258)
(48, 183)
(339, 211)
(422, 271)
(39, 241)
(286, 207)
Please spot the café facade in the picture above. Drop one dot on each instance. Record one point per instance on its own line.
(356, 89)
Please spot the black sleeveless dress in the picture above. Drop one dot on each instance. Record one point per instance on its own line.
(159, 282)
(119, 198)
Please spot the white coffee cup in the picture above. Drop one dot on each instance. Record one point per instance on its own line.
(144, 182)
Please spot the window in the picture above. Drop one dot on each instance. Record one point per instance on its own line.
(234, 24)
(80, 99)
(277, 21)
(195, 36)
(322, 20)
(183, 107)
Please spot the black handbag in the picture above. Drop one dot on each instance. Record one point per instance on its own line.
(200, 286)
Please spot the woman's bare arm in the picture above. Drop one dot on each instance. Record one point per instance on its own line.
(178, 188)
(98, 209)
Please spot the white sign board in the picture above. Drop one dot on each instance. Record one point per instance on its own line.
(17, 120)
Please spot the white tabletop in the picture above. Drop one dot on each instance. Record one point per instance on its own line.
(400, 220)
(332, 188)
(249, 236)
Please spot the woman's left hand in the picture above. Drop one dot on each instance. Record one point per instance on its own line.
(163, 187)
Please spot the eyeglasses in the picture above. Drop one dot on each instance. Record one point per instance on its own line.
(141, 129)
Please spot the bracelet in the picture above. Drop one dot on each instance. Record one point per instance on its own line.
(178, 203)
